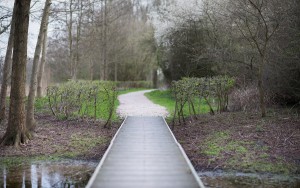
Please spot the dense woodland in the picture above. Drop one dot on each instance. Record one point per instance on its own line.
(106, 40)
(251, 40)
(256, 42)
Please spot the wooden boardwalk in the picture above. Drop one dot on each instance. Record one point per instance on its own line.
(144, 154)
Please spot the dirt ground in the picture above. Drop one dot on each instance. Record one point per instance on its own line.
(243, 141)
(230, 141)
(81, 139)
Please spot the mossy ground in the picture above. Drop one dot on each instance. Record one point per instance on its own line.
(243, 142)
(245, 155)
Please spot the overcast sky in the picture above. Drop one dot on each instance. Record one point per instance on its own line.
(33, 27)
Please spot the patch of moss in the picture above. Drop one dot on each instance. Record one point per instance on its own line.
(264, 156)
(212, 149)
(19, 161)
(278, 167)
(213, 145)
(82, 143)
(246, 156)
(13, 161)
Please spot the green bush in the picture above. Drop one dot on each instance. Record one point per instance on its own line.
(84, 99)
(189, 90)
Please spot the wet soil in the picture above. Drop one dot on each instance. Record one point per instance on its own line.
(59, 138)
(267, 142)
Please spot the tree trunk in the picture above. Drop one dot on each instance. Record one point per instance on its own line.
(78, 38)
(116, 71)
(16, 132)
(91, 69)
(7, 69)
(70, 26)
(92, 39)
(30, 122)
(105, 41)
(154, 78)
(43, 62)
(261, 88)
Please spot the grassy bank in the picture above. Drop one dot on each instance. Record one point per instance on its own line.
(165, 98)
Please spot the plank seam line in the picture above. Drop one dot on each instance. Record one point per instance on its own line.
(94, 176)
(185, 157)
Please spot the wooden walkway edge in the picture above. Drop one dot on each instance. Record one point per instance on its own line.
(144, 153)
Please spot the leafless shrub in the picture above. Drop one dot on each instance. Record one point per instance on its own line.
(246, 99)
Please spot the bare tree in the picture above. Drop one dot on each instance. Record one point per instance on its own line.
(101, 33)
(42, 64)
(5, 15)
(16, 132)
(255, 20)
(7, 70)
(30, 123)
(69, 23)
(78, 38)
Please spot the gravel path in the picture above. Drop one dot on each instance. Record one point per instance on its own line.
(136, 104)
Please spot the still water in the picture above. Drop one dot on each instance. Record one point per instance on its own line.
(75, 174)
(218, 179)
(63, 174)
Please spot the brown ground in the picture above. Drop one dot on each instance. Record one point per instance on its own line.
(63, 138)
(273, 143)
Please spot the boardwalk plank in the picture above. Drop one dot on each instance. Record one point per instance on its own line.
(144, 153)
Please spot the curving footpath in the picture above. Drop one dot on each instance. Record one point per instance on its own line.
(137, 104)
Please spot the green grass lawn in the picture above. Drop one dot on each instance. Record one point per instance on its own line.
(165, 98)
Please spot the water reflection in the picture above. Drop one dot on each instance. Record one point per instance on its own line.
(65, 174)
(247, 180)
(75, 174)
